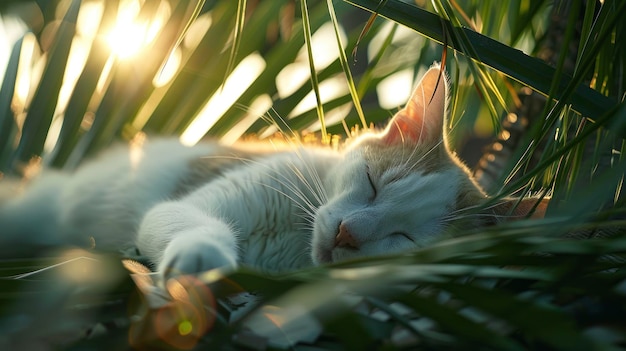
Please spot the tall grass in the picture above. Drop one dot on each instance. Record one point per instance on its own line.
(514, 286)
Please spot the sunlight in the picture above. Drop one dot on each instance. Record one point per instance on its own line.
(88, 19)
(129, 35)
(332, 117)
(105, 76)
(293, 76)
(25, 75)
(325, 52)
(395, 90)
(10, 30)
(275, 314)
(86, 27)
(53, 134)
(75, 63)
(402, 37)
(324, 46)
(169, 70)
(258, 108)
(136, 150)
(330, 89)
(236, 84)
(197, 30)
(127, 39)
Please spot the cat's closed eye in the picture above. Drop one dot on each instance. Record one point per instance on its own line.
(369, 178)
(403, 235)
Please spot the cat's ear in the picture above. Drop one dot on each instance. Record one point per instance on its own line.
(421, 121)
(512, 208)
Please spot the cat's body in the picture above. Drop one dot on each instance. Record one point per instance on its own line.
(192, 209)
(107, 198)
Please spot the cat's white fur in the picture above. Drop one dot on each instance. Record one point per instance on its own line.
(390, 191)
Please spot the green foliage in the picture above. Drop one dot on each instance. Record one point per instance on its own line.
(514, 286)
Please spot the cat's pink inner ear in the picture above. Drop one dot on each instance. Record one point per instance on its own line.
(422, 119)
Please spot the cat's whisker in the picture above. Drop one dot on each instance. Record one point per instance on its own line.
(272, 121)
(304, 204)
(318, 189)
(319, 185)
(285, 181)
(423, 113)
(480, 207)
(409, 169)
(306, 224)
(421, 134)
(321, 191)
(480, 210)
(446, 133)
(482, 215)
(303, 253)
(295, 171)
(295, 202)
(294, 188)
(308, 218)
(466, 209)
(405, 165)
(430, 150)
(477, 211)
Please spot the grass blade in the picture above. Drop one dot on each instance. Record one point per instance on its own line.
(344, 65)
(314, 82)
(513, 63)
(238, 31)
(83, 90)
(8, 128)
(42, 107)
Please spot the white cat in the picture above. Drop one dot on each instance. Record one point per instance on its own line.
(193, 209)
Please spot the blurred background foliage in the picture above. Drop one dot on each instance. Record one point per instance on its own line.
(536, 105)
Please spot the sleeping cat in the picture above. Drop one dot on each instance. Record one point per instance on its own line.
(193, 209)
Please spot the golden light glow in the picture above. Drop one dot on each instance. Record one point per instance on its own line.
(236, 84)
(169, 70)
(505, 135)
(136, 150)
(88, 19)
(325, 52)
(11, 29)
(86, 27)
(197, 30)
(130, 35)
(24, 71)
(75, 63)
(127, 38)
(275, 314)
(259, 107)
(395, 90)
(330, 89)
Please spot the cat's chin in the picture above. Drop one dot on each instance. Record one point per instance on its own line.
(323, 257)
(331, 256)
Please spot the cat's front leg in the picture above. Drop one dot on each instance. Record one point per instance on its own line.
(180, 239)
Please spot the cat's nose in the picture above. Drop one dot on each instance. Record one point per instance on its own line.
(345, 239)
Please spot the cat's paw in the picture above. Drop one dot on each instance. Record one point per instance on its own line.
(184, 256)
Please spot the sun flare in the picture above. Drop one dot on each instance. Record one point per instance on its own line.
(127, 39)
(130, 34)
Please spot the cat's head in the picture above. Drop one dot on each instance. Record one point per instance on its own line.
(401, 188)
